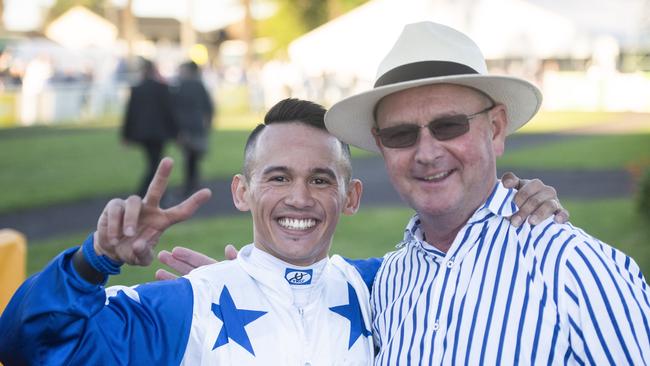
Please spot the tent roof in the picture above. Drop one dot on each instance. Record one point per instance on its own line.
(357, 41)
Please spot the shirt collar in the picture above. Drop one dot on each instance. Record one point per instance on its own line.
(499, 203)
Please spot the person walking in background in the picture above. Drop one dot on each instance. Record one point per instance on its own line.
(149, 120)
(194, 110)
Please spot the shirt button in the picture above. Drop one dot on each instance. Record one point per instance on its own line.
(450, 264)
(435, 326)
(307, 364)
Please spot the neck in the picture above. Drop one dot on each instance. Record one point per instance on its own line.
(440, 229)
(441, 232)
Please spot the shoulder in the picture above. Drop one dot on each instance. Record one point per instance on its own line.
(571, 260)
(568, 244)
(216, 272)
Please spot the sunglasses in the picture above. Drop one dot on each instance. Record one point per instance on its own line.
(444, 128)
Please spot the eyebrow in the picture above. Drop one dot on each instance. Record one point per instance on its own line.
(275, 169)
(283, 169)
(325, 171)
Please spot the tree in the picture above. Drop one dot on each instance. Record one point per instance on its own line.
(297, 17)
(61, 6)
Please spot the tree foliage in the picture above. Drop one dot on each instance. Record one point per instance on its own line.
(297, 17)
(61, 6)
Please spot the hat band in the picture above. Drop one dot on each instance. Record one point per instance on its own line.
(422, 70)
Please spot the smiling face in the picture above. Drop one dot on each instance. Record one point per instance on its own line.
(443, 179)
(296, 190)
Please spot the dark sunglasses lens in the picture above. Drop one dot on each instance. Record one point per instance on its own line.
(399, 136)
(447, 128)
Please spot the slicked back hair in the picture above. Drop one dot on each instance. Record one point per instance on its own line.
(293, 110)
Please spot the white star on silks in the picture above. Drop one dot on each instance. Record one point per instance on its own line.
(234, 321)
(352, 312)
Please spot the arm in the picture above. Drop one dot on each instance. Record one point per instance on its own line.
(56, 317)
(605, 299)
(60, 315)
(536, 201)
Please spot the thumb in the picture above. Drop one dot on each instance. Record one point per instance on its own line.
(230, 252)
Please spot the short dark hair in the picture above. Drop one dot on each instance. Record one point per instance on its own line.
(293, 110)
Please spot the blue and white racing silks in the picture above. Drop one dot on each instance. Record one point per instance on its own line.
(501, 295)
(255, 310)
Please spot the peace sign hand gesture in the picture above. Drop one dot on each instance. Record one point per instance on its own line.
(128, 230)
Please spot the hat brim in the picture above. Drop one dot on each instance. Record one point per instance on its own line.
(352, 119)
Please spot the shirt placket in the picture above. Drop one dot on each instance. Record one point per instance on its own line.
(444, 290)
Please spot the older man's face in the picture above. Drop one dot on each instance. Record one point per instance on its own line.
(451, 177)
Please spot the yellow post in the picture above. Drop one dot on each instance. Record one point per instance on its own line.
(13, 264)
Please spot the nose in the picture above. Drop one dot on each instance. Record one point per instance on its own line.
(427, 148)
(299, 196)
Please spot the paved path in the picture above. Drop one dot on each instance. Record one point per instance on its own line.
(79, 216)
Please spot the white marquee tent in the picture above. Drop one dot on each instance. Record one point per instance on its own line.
(355, 42)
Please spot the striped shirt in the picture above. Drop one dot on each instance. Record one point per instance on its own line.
(544, 294)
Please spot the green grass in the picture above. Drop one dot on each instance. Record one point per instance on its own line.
(52, 164)
(47, 165)
(43, 166)
(371, 232)
(556, 121)
(584, 152)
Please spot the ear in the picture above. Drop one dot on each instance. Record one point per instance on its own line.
(499, 123)
(353, 197)
(239, 190)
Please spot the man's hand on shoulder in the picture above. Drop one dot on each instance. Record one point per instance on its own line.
(183, 260)
(536, 201)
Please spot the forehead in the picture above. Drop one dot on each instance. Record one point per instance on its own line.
(298, 147)
(428, 100)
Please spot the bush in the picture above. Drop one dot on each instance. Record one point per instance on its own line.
(644, 195)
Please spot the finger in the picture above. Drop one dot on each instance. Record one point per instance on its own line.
(142, 248)
(540, 207)
(185, 209)
(131, 215)
(114, 213)
(562, 215)
(509, 180)
(177, 265)
(230, 252)
(528, 190)
(162, 275)
(191, 258)
(102, 227)
(159, 183)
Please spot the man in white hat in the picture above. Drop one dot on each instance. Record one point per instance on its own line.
(465, 285)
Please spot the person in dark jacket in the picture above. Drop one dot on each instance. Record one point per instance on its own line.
(194, 110)
(149, 120)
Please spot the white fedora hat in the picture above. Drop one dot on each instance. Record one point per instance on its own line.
(430, 53)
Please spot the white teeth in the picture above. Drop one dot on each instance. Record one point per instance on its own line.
(438, 176)
(296, 224)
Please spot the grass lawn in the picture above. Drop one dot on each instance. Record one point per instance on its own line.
(46, 165)
(371, 232)
(585, 152)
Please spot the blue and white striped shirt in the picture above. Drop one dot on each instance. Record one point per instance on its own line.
(544, 294)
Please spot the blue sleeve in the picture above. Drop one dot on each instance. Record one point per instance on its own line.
(58, 318)
(367, 269)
